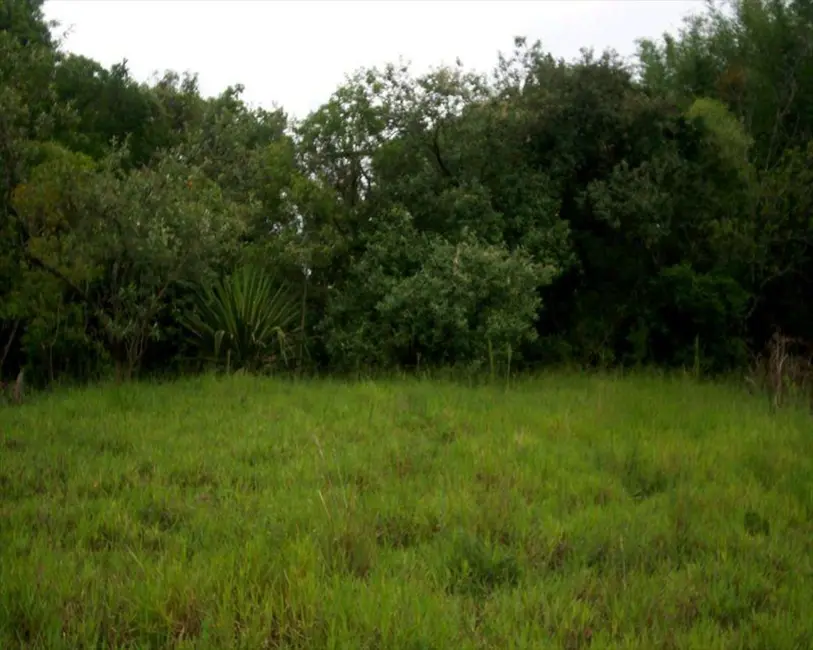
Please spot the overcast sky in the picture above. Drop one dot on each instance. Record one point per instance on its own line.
(297, 53)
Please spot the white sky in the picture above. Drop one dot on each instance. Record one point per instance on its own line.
(297, 53)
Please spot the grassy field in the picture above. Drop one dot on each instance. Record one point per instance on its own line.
(567, 512)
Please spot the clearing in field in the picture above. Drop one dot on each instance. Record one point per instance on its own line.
(567, 512)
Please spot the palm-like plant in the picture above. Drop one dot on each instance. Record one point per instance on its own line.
(245, 319)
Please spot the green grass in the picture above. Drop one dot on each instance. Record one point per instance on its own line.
(567, 512)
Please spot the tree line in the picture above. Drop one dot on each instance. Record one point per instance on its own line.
(599, 211)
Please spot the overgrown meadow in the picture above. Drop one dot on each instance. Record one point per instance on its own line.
(565, 511)
(602, 212)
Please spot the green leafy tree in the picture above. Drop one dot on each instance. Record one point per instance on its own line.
(416, 296)
(25, 21)
(29, 114)
(754, 55)
(120, 240)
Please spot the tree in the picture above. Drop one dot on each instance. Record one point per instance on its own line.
(755, 56)
(417, 298)
(118, 240)
(29, 113)
(25, 21)
(590, 209)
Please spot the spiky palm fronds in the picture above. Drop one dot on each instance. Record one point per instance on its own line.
(245, 319)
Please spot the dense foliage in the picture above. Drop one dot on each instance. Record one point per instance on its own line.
(597, 211)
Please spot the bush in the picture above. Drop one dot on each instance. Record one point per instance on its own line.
(245, 321)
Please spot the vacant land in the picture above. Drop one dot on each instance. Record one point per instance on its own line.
(566, 512)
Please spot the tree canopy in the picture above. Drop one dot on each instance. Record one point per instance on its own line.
(593, 211)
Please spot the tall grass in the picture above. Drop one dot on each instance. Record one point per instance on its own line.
(566, 512)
